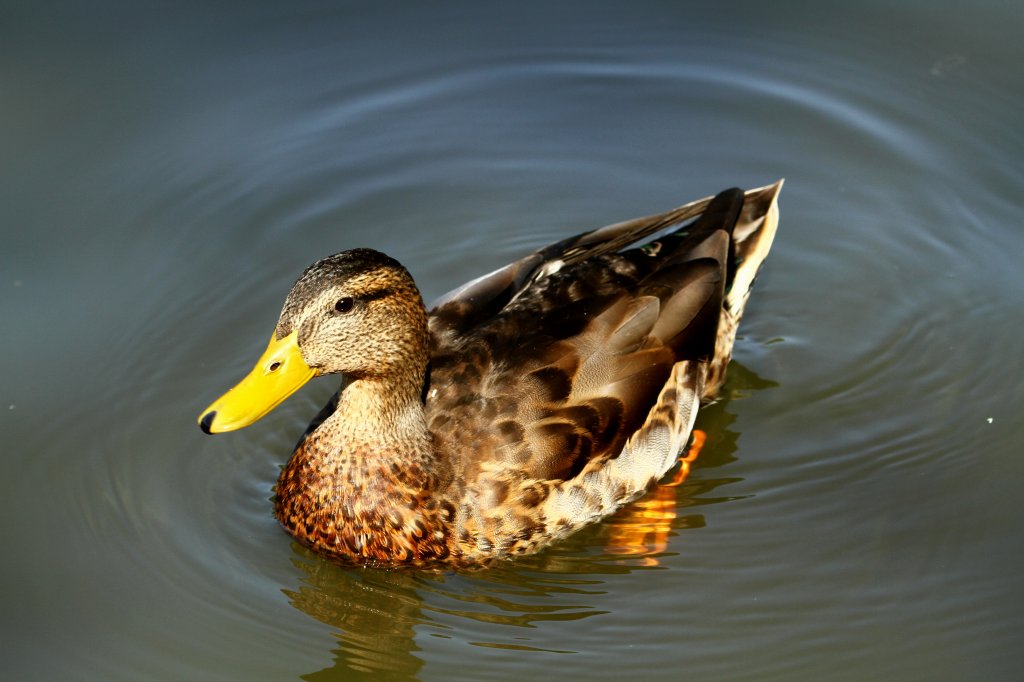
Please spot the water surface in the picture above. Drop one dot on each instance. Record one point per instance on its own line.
(170, 169)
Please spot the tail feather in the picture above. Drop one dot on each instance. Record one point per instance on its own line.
(481, 298)
(752, 237)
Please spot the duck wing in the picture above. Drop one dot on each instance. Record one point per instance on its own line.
(545, 369)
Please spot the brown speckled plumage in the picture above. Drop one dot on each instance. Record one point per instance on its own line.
(526, 404)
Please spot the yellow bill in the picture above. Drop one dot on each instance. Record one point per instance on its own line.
(279, 372)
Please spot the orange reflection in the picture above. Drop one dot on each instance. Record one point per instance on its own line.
(642, 528)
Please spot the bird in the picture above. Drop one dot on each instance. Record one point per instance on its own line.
(521, 406)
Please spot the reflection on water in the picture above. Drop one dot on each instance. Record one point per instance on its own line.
(380, 616)
(374, 612)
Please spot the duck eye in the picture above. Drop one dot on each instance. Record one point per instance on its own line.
(344, 305)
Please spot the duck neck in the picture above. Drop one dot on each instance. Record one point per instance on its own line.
(375, 417)
(363, 469)
(376, 425)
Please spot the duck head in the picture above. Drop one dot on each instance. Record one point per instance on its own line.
(356, 313)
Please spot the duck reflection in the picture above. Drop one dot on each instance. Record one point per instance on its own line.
(375, 614)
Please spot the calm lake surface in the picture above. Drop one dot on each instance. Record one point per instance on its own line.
(168, 169)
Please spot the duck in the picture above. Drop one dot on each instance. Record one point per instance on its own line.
(517, 409)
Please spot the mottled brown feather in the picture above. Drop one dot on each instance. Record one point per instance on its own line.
(559, 387)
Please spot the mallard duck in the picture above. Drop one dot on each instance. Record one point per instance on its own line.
(526, 404)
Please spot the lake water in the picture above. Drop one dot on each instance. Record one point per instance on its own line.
(169, 169)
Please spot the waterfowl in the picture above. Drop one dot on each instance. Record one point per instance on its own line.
(524, 405)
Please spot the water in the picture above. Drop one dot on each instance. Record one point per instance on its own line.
(170, 169)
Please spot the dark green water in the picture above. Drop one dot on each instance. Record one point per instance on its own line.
(168, 169)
